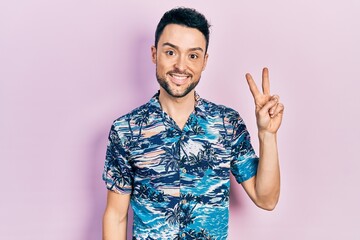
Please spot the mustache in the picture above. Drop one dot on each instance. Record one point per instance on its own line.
(180, 72)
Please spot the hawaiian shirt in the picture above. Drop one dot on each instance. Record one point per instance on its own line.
(179, 179)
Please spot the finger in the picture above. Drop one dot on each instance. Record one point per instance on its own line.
(253, 88)
(273, 109)
(279, 110)
(265, 81)
(266, 108)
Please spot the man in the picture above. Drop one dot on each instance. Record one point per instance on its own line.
(172, 157)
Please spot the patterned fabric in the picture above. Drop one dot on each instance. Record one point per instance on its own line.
(179, 180)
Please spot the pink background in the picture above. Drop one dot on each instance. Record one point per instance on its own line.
(69, 68)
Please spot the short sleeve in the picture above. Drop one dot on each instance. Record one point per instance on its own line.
(118, 173)
(244, 161)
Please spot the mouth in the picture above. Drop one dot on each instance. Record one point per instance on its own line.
(179, 79)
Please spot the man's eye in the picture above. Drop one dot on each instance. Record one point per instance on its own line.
(193, 56)
(170, 53)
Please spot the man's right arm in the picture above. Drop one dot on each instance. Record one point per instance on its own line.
(115, 216)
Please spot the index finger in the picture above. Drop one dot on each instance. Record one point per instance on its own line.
(265, 81)
(252, 85)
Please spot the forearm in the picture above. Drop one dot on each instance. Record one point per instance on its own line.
(114, 227)
(267, 186)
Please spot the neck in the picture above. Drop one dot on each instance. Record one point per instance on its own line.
(178, 109)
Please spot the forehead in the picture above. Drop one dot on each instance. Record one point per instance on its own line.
(182, 36)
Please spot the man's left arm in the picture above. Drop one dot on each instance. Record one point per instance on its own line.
(264, 187)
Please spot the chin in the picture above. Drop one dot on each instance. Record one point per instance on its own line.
(174, 90)
(176, 94)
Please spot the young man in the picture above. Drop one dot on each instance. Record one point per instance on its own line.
(172, 157)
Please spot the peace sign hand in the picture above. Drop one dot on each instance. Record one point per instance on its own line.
(269, 111)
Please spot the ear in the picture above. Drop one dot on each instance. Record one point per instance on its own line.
(153, 54)
(205, 61)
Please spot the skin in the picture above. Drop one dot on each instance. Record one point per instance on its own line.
(115, 216)
(180, 58)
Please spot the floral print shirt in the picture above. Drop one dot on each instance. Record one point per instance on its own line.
(179, 180)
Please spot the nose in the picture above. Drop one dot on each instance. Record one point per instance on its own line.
(180, 63)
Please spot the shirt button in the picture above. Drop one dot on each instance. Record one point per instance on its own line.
(183, 201)
(184, 170)
(183, 235)
(182, 138)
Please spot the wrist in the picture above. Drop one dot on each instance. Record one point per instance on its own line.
(265, 135)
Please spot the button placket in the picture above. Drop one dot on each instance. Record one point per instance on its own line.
(182, 171)
(182, 153)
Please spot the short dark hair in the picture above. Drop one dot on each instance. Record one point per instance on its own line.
(186, 17)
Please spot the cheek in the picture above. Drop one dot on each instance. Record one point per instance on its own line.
(198, 68)
(164, 63)
(160, 65)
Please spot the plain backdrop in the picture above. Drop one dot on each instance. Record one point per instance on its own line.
(68, 68)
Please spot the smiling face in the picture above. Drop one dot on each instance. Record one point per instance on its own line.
(180, 59)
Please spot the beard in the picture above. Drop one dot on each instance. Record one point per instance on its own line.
(165, 85)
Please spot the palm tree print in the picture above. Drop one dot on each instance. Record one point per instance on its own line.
(141, 118)
(128, 119)
(144, 191)
(233, 118)
(189, 197)
(180, 145)
(121, 175)
(198, 235)
(223, 112)
(171, 158)
(183, 213)
(209, 154)
(203, 160)
(173, 214)
(186, 216)
(240, 149)
(195, 127)
(224, 139)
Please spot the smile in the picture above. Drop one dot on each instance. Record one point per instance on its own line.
(178, 79)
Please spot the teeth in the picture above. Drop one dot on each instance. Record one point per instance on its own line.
(180, 77)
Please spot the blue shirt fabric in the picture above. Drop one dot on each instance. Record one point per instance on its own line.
(179, 180)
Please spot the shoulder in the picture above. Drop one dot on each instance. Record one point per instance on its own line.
(132, 114)
(219, 110)
(127, 123)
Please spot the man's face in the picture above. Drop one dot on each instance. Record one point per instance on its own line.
(180, 58)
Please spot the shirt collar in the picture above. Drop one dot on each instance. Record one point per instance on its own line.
(199, 109)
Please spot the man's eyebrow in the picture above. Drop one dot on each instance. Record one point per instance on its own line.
(170, 45)
(196, 49)
(176, 47)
